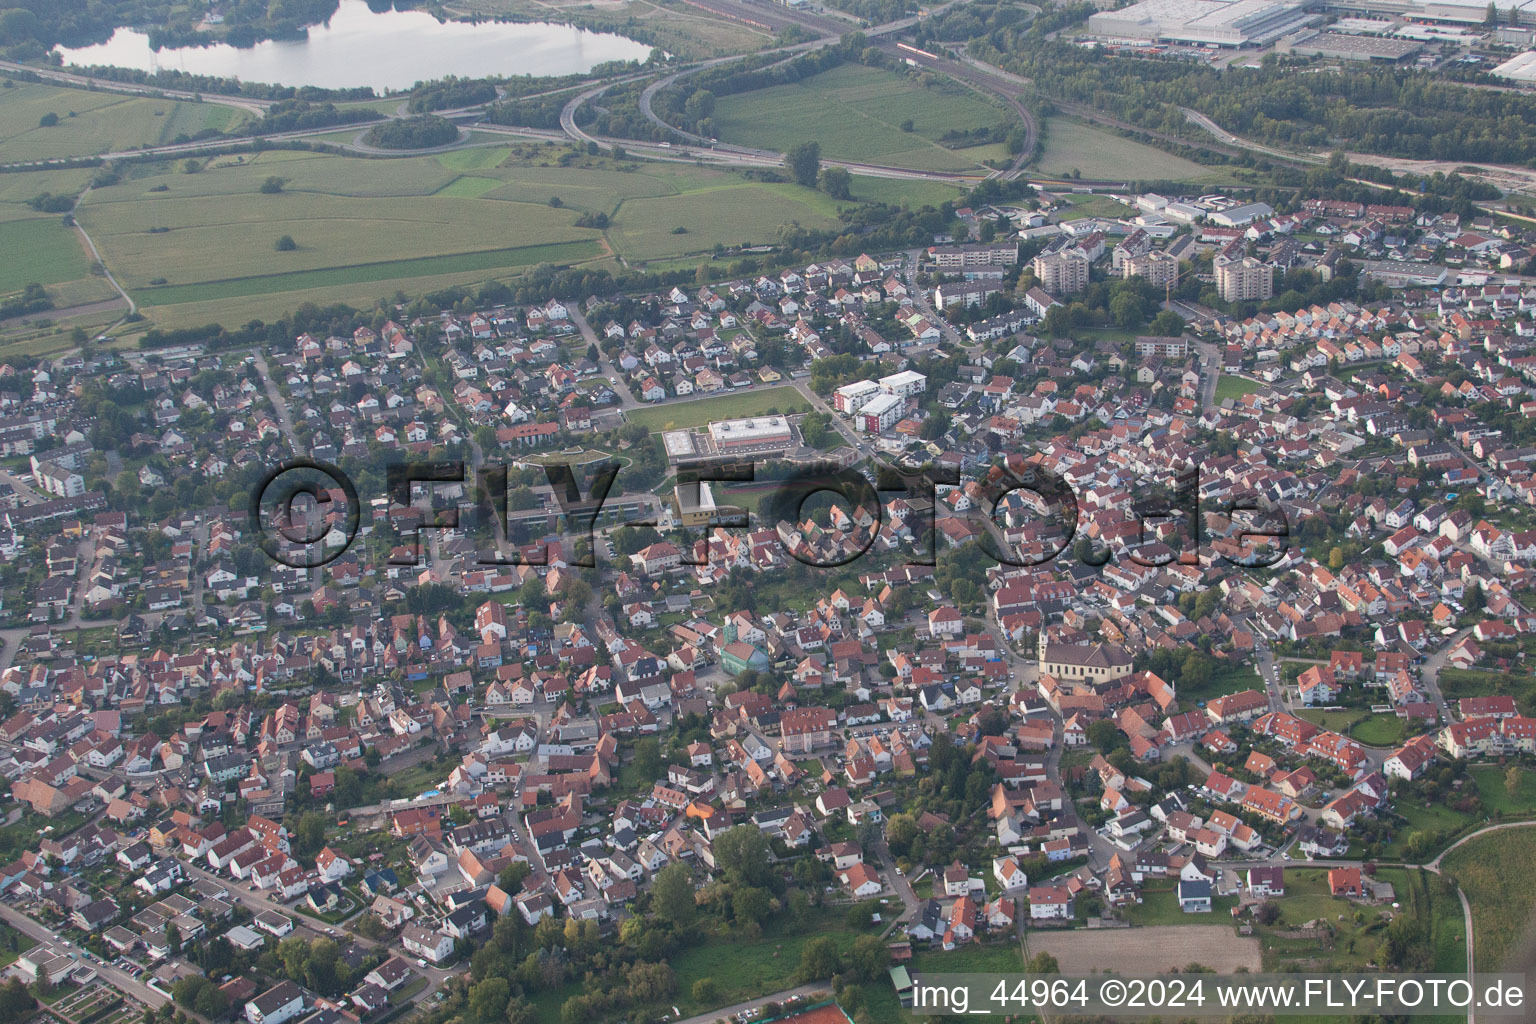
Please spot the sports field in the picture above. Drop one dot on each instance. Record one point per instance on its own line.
(1101, 155)
(681, 415)
(856, 113)
(90, 123)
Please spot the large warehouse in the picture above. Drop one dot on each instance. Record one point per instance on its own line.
(1213, 22)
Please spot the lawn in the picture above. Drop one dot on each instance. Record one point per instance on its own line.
(1379, 731)
(1359, 724)
(1233, 387)
(1223, 681)
(39, 250)
(1336, 721)
(1498, 799)
(1161, 906)
(856, 113)
(1097, 154)
(1498, 874)
(679, 415)
(90, 123)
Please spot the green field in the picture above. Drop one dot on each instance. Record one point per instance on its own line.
(1358, 723)
(1228, 386)
(41, 250)
(856, 113)
(1161, 906)
(678, 415)
(91, 123)
(1498, 874)
(199, 247)
(1232, 679)
(1098, 154)
(745, 214)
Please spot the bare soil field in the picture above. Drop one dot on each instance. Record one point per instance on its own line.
(1143, 951)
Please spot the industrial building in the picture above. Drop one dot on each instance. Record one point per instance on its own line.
(1209, 22)
(1519, 68)
(1341, 46)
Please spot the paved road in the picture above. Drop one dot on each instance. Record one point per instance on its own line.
(279, 403)
(626, 397)
(255, 106)
(118, 978)
(777, 997)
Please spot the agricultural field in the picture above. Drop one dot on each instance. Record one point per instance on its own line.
(856, 113)
(90, 123)
(1151, 950)
(681, 415)
(200, 247)
(39, 250)
(1498, 874)
(1097, 154)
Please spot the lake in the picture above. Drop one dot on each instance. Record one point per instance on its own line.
(389, 51)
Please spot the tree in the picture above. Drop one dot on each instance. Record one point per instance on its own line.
(211, 1002)
(819, 959)
(1042, 963)
(699, 105)
(272, 186)
(1266, 913)
(804, 163)
(1167, 324)
(750, 904)
(488, 999)
(48, 120)
(520, 1011)
(285, 244)
(742, 853)
(672, 895)
(706, 992)
(1512, 781)
(869, 958)
(1335, 558)
(836, 182)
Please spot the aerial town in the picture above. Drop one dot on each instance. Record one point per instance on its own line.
(846, 742)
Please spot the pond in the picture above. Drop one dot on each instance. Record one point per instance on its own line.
(391, 50)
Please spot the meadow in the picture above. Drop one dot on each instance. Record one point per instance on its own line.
(1097, 154)
(195, 247)
(94, 122)
(856, 113)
